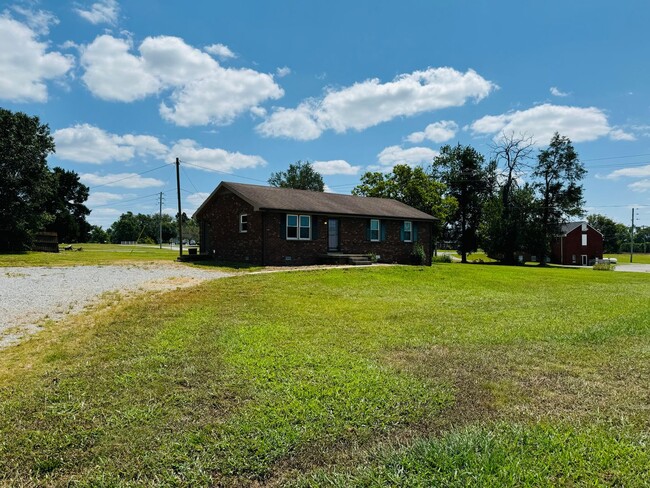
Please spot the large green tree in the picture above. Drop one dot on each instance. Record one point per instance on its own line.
(470, 182)
(68, 208)
(557, 177)
(300, 176)
(614, 233)
(511, 157)
(412, 186)
(25, 180)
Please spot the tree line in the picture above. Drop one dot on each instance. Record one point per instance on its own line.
(513, 202)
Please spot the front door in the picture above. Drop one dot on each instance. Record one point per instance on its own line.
(333, 235)
(584, 260)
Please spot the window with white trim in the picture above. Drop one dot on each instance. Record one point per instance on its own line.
(374, 230)
(584, 239)
(299, 227)
(243, 223)
(408, 231)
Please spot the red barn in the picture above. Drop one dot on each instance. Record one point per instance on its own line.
(578, 244)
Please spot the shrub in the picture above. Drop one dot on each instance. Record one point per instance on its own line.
(442, 258)
(418, 255)
(604, 266)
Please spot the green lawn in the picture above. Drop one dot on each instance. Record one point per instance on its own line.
(403, 376)
(91, 254)
(638, 258)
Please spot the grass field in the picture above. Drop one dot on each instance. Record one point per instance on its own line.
(104, 254)
(404, 376)
(625, 258)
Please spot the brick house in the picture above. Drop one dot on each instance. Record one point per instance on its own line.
(279, 226)
(579, 244)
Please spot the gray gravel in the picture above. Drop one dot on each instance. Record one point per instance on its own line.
(633, 268)
(30, 295)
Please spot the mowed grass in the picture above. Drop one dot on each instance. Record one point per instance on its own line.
(637, 258)
(91, 254)
(405, 376)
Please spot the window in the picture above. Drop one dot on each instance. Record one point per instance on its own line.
(408, 231)
(299, 227)
(374, 230)
(584, 239)
(243, 223)
(584, 227)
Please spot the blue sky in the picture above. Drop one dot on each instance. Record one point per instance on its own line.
(238, 90)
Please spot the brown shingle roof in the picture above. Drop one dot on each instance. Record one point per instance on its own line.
(289, 200)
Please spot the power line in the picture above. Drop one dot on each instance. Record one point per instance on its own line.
(128, 177)
(224, 172)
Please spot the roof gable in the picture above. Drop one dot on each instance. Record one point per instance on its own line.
(266, 198)
(569, 227)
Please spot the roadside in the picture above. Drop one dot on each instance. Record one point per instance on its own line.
(633, 267)
(31, 295)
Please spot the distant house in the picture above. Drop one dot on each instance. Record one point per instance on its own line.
(579, 243)
(278, 226)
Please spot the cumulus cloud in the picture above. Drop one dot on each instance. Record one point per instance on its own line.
(205, 158)
(103, 198)
(119, 180)
(102, 12)
(28, 62)
(640, 186)
(541, 122)
(196, 199)
(37, 20)
(437, 132)
(202, 91)
(632, 172)
(621, 135)
(220, 50)
(85, 143)
(412, 156)
(335, 167)
(371, 102)
(282, 72)
(556, 92)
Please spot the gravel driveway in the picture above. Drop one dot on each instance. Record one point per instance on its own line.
(633, 268)
(29, 295)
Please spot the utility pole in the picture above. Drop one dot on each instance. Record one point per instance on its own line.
(632, 237)
(180, 215)
(160, 220)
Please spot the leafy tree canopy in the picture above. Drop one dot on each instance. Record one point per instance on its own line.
(299, 176)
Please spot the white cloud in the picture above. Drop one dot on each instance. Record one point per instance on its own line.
(196, 199)
(213, 159)
(89, 144)
(25, 63)
(112, 73)
(119, 180)
(621, 135)
(371, 102)
(556, 92)
(220, 50)
(102, 12)
(633, 172)
(640, 186)
(335, 167)
(412, 156)
(437, 132)
(295, 123)
(37, 20)
(541, 122)
(202, 91)
(103, 198)
(282, 72)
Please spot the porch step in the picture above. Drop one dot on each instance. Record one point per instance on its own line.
(342, 258)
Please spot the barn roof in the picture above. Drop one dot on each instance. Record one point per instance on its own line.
(266, 198)
(571, 226)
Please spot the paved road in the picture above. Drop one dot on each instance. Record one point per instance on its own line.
(633, 268)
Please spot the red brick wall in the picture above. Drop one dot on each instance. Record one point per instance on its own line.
(573, 247)
(222, 239)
